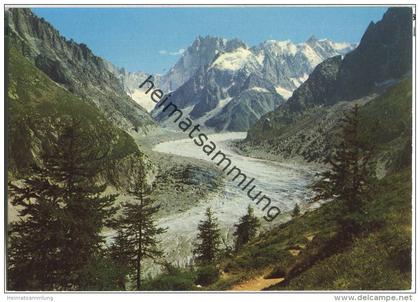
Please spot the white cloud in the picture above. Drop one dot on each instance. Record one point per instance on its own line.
(172, 53)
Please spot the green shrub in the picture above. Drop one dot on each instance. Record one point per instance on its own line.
(176, 282)
(207, 274)
(176, 279)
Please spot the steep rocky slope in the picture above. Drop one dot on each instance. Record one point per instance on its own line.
(384, 54)
(201, 53)
(75, 67)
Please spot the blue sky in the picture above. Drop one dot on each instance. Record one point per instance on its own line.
(151, 39)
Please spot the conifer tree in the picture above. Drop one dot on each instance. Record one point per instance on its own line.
(36, 240)
(246, 229)
(348, 180)
(103, 273)
(137, 231)
(207, 250)
(296, 211)
(62, 212)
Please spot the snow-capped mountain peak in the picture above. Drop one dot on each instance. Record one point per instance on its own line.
(240, 58)
(202, 52)
(255, 79)
(279, 47)
(214, 69)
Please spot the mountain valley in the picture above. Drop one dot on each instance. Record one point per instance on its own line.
(275, 108)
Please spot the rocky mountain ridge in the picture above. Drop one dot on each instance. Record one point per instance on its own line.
(75, 68)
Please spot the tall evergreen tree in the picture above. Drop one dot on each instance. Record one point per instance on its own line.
(348, 180)
(207, 249)
(137, 231)
(246, 229)
(36, 240)
(62, 212)
(103, 273)
(118, 254)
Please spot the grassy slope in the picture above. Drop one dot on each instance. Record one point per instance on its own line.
(303, 251)
(36, 105)
(378, 259)
(387, 122)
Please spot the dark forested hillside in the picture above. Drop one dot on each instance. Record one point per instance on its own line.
(37, 106)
